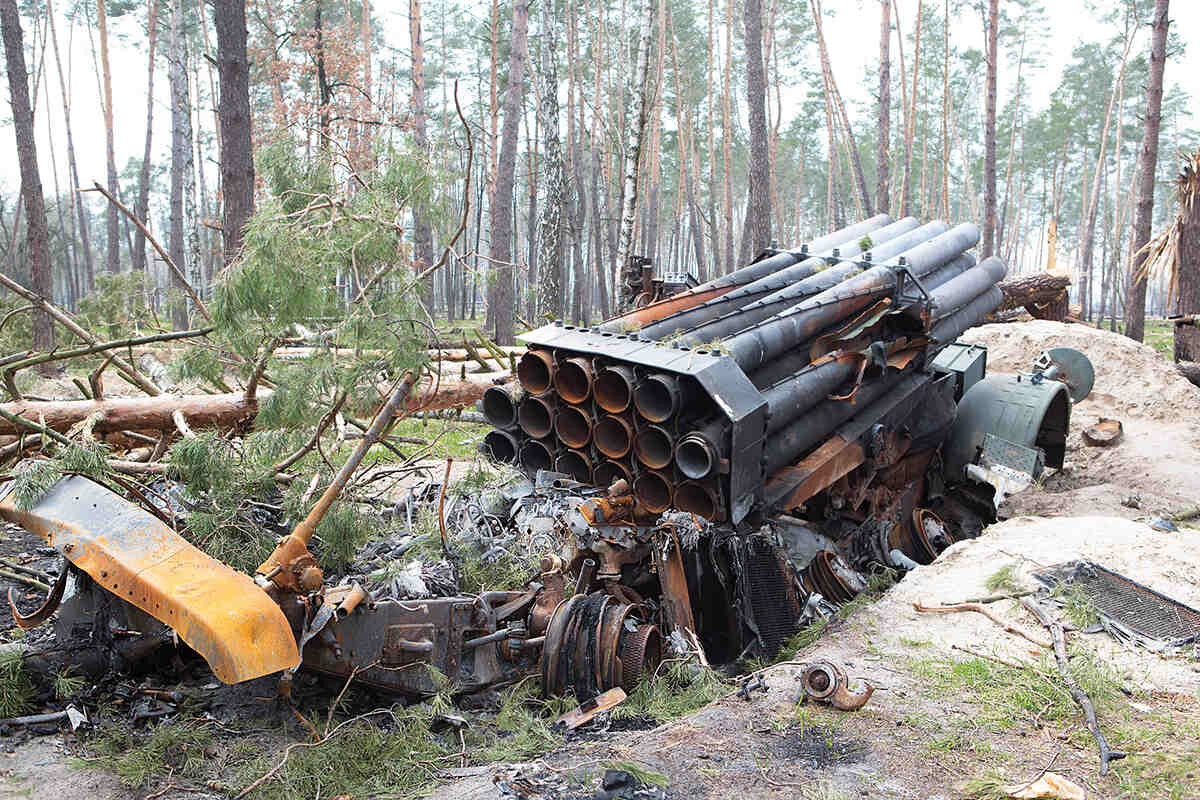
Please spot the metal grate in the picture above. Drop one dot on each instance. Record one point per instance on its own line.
(766, 581)
(1127, 608)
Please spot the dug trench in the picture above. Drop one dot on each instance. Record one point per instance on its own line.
(961, 708)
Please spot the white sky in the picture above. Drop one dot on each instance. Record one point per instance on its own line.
(852, 33)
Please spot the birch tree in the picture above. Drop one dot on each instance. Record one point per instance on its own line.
(550, 227)
(633, 142)
(502, 206)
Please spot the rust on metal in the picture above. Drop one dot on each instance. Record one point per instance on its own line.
(1105, 433)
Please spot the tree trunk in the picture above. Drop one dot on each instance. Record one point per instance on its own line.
(989, 133)
(553, 172)
(727, 137)
(759, 207)
(633, 144)
(37, 235)
(910, 126)
(233, 111)
(882, 132)
(181, 164)
(80, 211)
(142, 205)
(112, 238)
(502, 208)
(1187, 337)
(1031, 292)
(1135, 298)
(422, 231)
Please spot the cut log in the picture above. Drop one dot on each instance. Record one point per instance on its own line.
(201, 411)
(1042, 295)
(1190, 370)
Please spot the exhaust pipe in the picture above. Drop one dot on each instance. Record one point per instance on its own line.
(575, 464)
(573, 380)
(607, 473)
(536, 455)
(654, 491)
(653, 445)
(698, 498)
(535, 371)
(658, 398)
(613, 388)
(574, 426)
(536, 415)
(499, 405)
(500, 446)
(613, 437)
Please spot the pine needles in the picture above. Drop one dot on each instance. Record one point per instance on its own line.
(16, 688)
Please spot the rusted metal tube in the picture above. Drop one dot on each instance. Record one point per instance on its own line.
(653, 446)
(536, 416)
(536, 370)
(606, 473)
(659, 397)
(755, 347)
(786, 293)
(698, 453)
(573, 379)
(501, 446)
(575, 464)
(697, 497)
(499, 405)
(613, 388)
(725, 283)
(536, 455)
(782, 276)
(653, 490)
(613, 436)
(573, 426)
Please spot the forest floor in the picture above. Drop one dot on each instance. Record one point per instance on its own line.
(950, 717)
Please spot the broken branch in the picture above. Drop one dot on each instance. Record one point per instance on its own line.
(977, 608)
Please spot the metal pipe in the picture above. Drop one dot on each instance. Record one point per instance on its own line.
(961, 290)
(575, 464)
(536, 416)
(659, 397)
(573, 426)
(725, 283)
(777, 279)
(535, 455)
(653, 446)
(697, 497)
(607, 473)
(535, 371)
(613, 436)
(698, 453)
(760, 344)
(499, 405)
(613, 388)
(573, 379)
(788, 294)
(653, 490)
(501, 447)
(970, 315)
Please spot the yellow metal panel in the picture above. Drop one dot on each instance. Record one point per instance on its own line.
(218, 612)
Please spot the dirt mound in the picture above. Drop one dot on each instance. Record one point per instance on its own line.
(1131, 378)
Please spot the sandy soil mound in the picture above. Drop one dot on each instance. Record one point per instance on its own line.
(1131, 378)
(1166, 562)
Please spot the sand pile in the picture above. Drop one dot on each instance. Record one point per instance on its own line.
(1131, 378)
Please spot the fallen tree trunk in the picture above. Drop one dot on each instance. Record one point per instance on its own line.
(200, 411)
(1043, 295)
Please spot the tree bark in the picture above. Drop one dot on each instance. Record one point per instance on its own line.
(727, 137)
(422, 230)
(1042, 295)
(1135, 298)
(233, 111)
(112, 238)
(633, 143)
(989, 133)
(759, 207)
(550, 226)
(181, 164)
(502, 207)
(37, 234)
(142, 204)
(1187, 337)
(882, 132)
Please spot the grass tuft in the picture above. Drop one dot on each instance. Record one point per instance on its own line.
(678, 689)
(1004, 579)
